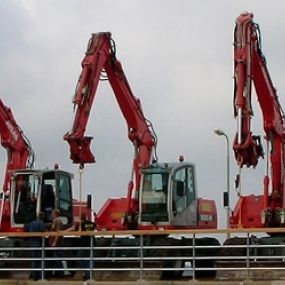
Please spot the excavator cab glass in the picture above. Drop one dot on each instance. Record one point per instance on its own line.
(40, 191)
(154, 195)
(24, 197)
(180, 190)
(183, 189)
(168, 195)
(57, 194)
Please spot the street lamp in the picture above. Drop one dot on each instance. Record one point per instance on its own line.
(227, 193)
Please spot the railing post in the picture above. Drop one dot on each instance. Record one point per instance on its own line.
(43, 259)
(141, 257)
(193, 257)
(247, 255)
(91, 258)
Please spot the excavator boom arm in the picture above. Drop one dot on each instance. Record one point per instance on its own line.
(250, 66)
(100, 57)
(19, 151)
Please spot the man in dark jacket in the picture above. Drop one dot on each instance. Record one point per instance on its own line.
(84, 243)
(56, 241)
(37, 225)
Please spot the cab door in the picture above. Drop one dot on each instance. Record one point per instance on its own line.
(64, 196)
(183, 200)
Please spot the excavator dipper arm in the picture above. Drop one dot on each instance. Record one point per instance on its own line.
(247, 147)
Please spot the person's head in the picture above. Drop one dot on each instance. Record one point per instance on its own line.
(55, 213)
(41, 216)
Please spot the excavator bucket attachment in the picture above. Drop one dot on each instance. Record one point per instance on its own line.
(248, 152)
(80, 152)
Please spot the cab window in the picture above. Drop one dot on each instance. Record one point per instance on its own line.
(154, 197)
(183, 189)
(25, 198)
(65, 197)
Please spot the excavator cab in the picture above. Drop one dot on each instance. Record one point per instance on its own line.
(168, 198)
(168, 194)
(36, 191)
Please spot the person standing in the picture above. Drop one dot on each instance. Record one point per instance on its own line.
(37, 225)
(84, 243)
(55, 241)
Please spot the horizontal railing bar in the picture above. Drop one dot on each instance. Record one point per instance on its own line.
(150, 258)
(3, 249)
(146, 269)
(144, 232)
(241, 258)
(45, 248)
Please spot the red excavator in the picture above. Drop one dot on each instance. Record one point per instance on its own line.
(267, 209)
(161, 195)
(27, 191)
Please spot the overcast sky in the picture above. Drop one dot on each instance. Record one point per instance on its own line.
(178, 58)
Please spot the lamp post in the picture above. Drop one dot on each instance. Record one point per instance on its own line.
(227, 193)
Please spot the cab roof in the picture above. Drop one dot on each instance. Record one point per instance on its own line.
(165, 167)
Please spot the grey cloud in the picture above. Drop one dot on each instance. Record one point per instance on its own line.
(178, 59)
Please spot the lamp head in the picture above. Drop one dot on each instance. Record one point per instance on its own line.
(219, 132)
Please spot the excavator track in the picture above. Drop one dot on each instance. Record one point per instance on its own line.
(252, 267)
(131, 273)
(269, 270)
(161, 258)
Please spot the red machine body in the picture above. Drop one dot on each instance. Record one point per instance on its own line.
(250, 66)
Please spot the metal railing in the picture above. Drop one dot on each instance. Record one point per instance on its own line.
(139, 256)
